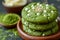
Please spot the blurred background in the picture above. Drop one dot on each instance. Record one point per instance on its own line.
(53, 2)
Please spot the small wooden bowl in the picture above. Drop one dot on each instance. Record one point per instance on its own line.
(9, 26)
(13, 9)
(28, 37)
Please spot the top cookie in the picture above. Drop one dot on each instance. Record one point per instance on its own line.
(39, 13)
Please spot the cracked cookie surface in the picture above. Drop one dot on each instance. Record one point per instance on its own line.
(39, 13)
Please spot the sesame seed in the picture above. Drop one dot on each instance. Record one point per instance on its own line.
(48, 17)
(52, 11)
(44, 11)
(38, 13)
(33, 8)
(43, 34)
(56, 20)
(46, 5)
(28, 14)
(25, 23)
(28, 10)
(44, 15)
(38, 3)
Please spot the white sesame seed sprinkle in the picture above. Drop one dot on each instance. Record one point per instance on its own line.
(38, 13)
(44, 15)
(56, 20)
(52, 11)
(28, 14)
(33, 8)
(38, 3)
(46, 5)
(43, 34)
(25, 23)
(44, 11)
(28, 10)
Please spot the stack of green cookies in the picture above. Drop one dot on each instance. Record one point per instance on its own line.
(39, 19)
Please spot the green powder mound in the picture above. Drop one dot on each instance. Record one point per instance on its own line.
(10, 19)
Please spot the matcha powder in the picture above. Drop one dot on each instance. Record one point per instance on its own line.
(9, 19)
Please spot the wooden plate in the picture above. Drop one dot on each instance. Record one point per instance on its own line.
(28, 37)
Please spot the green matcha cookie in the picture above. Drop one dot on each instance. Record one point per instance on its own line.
(40, 33)
(42, 27)
(39, 26)
(39, 13)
